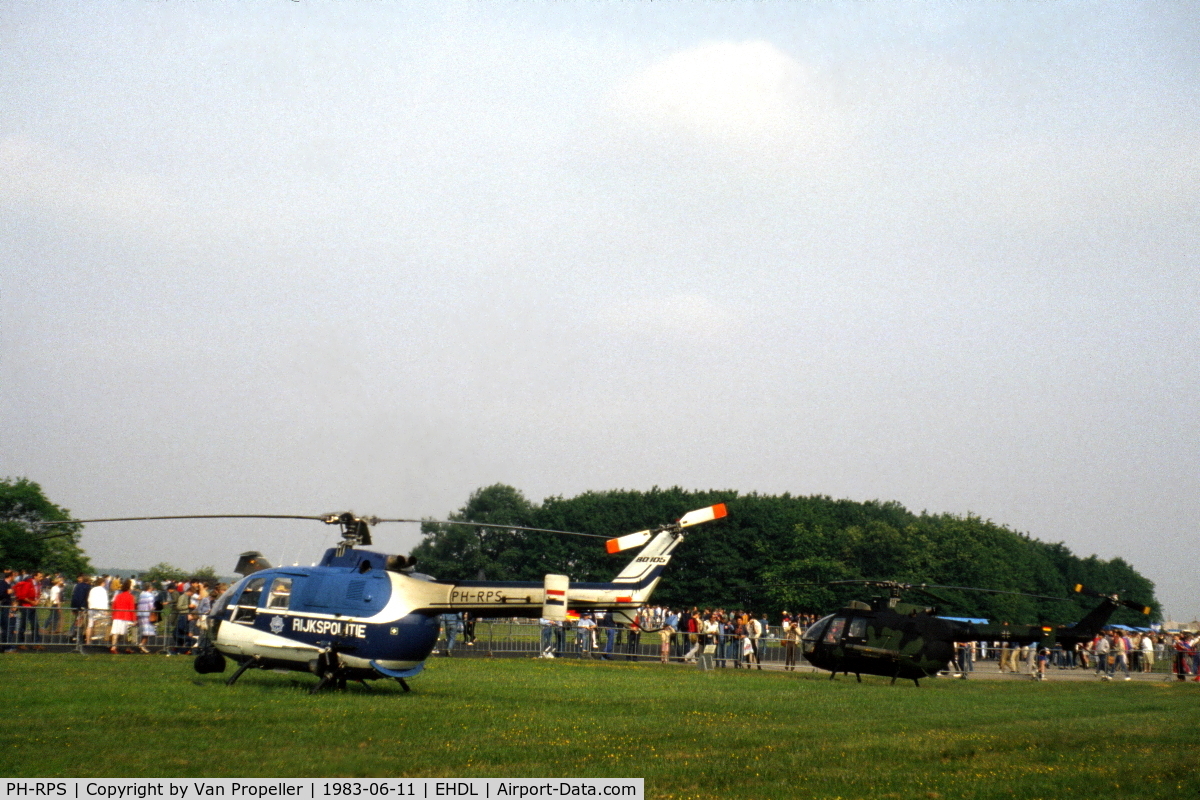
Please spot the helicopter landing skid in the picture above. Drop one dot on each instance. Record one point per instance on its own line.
(247, 664)
(915, 681)
(332, 678)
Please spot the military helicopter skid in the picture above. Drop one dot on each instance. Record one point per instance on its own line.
(896, 640)
(362, 615)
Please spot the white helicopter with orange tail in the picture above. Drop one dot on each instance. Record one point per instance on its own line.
(363, 615)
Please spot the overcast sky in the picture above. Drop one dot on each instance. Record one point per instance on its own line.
(298, 257)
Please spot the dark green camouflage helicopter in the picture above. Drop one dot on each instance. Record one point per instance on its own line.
(897, 640)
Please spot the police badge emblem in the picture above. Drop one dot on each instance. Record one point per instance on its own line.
(276, 625)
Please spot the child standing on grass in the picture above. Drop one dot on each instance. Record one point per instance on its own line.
(1043, 658)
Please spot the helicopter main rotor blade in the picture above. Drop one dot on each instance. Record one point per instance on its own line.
(373, 520)
(145, 519)
(987, 591)
(328, 518)
(181, 516)
(349, 518)
(919, 587)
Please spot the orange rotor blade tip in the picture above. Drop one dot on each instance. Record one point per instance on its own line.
(719, 511)
(613, 545)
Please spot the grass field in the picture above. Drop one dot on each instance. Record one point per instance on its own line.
(689, 734)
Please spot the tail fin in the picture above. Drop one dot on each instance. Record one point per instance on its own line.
(643, 573)
(634, 585)
(650, 561)
(1096, 619)
(630, 589)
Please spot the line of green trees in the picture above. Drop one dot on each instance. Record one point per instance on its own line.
(757, 558)
(769, 544)
(26, 545)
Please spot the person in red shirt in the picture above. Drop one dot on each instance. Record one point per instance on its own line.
(26, 593)
(124, 613)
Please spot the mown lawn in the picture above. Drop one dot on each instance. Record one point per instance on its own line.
(689, 734)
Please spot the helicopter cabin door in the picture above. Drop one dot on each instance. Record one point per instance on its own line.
(866, 637)
(245, 605)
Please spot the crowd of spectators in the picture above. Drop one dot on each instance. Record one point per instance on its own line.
(129, 616)
(737, 639)
(714, 638)
(1107, 653)
(124, 614)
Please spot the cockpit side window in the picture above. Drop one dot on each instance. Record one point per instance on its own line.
(813, 632)
(247, 604)
(834, 633)
(858, 628)
(252, 592)
(280, 595)
(223, 600)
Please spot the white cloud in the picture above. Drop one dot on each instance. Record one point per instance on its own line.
(734, 93)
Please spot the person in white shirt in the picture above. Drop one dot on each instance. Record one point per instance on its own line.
(583, 638)
(97, 609)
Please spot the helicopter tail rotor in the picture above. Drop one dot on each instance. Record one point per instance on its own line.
(628, 541)
(689, 519)
(1138, 607)
(702, 515)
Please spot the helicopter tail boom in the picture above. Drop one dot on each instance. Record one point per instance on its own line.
(629, 590)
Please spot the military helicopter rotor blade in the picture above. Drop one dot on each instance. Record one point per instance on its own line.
(933, 595)
(922, 587)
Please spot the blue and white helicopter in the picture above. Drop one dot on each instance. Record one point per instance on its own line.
(363, 615)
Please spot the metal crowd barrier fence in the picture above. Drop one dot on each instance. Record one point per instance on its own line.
(524, 638)
(509, 638)
(51, 628)
(57, 628)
